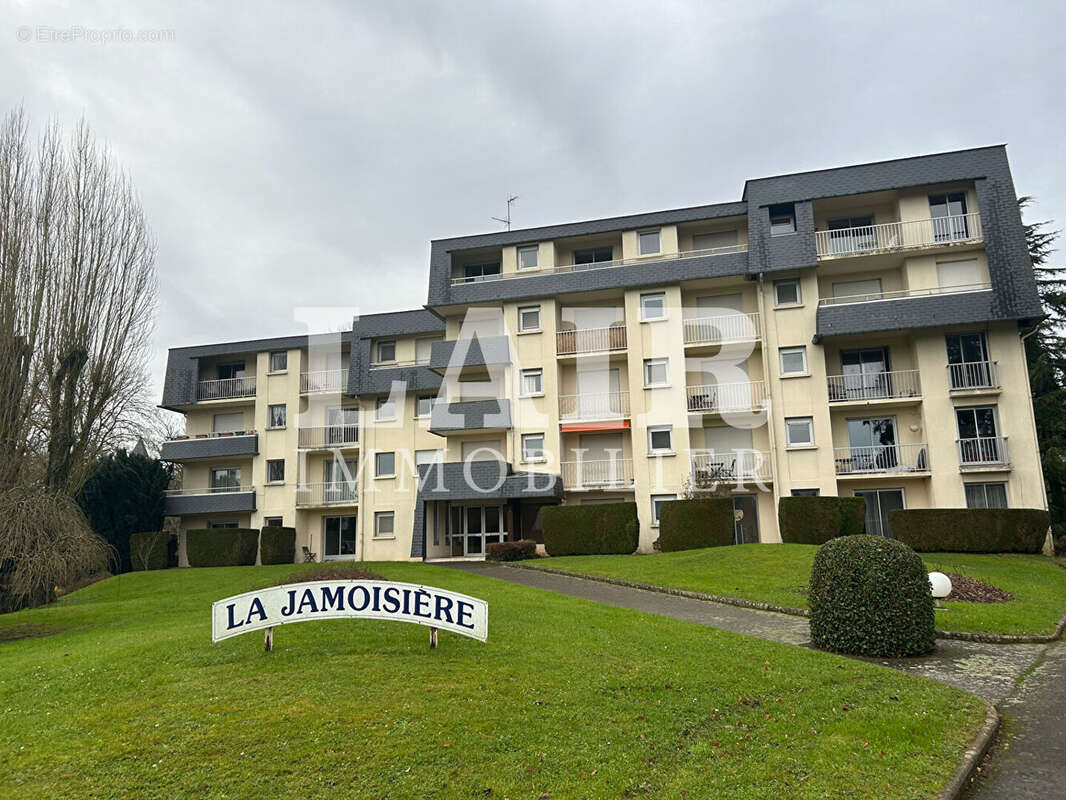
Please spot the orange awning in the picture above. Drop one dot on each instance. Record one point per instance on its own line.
(607, 425)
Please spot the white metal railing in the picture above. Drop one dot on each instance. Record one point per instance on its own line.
(973, 375)
(982, 451)
(210, 490)
(889, 236)
(874, 386)
(226, 388)
(611, 472)
(327, 494)
(718, 397)
(881, 458)
(898, 294)
(590, 340)
(209, 435)
(730, 466)
(324, 380)
(414, 362)
(737, 327)
(618, 262)
(325, 436)
(600, 405)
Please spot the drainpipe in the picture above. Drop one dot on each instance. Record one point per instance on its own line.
(776, 485)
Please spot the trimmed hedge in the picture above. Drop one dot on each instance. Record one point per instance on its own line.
(595, 529)
(277, 545)
(971, 530)
(222, 547)
(511, 551)
(148, 550)
(870, 596)
(817, 519)
(692, 524)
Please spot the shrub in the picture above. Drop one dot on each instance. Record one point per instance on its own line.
(971, 530)
(870, 596)
(511, 551)
(331, 572)
(277, 545)
(691, 524)
(149, 550)
(221, 547)
(594, 529)
(817, 519)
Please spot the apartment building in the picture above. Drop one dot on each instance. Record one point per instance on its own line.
(848, 331)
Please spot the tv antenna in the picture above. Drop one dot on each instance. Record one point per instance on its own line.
(507, 221)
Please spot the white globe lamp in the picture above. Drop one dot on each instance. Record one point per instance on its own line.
(940, 584)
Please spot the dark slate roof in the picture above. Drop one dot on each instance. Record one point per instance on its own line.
(470, 415)
(362, 380)
(485, 480)
(209, 447)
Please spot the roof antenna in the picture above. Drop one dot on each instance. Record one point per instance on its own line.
(507, 221)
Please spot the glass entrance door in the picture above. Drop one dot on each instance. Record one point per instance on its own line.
(474, 528)
(746, 528)
(338, 537)
(878, 503)
(865, 374)
(872, 444)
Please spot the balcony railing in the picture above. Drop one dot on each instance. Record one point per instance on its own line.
(415, 362)
(619, 262)
(719, 397)
(711, 467)
(738, 327)
(890, 236)
(226, 388)
(590, 340)
(326, 436)
(326, 380)
(899, 294)
(983, 451)
(973, 375)
(898, 384)
(605, 405)
(894, 458)
(209, 490)
(598, 474)
(327, 494)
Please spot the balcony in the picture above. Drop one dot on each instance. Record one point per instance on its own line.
(710, 467)
(894, 459)
(210, 445)
(209, 500)
(341, 493)
(721, 397)
(590, 340)
(470, 415)
(326, 380)
(983, 453)
(417, 362)
(225, 389)
(611, 473)
(874, 386)
(606, 405)
(973, 376)
(892, 236)
(723, 328)
(903, 293)
(328, 437)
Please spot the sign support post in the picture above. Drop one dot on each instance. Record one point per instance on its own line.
(268, 639)
(433, 638)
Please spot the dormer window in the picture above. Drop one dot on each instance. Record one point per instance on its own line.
(528, 257)
(782, 219)
(386, 351)
(648, 243)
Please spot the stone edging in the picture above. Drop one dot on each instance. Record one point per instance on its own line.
(960, 779)
(985, 638)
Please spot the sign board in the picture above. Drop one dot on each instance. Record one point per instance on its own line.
(350, 599)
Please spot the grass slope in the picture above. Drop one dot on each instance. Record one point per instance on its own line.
(127, 697)
(777, 573)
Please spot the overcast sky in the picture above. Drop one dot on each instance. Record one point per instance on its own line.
(304, 153)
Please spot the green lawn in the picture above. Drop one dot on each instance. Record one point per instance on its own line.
(778, 573)
(126, 696)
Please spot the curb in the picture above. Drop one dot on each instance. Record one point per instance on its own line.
(971, 759)
(1006, 638)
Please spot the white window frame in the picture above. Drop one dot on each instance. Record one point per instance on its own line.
(984, 488)
(275, 481)
(284, 417)
(799, 293)
(783, 351)
(278, 370)
(538, 373)
(273, 522)
(377, 351)
(810, 429)
(655, 500)
(535, 249)
(377, 464)
(418, 399)
(533, 459)
(382, 403)
(383, 515)
(644, 316)
(659, 240)
(781, 215)
(521, 321)
(438, 457)
(650, 362)
(659, 451)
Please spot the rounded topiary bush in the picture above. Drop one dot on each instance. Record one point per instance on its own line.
(870, 596)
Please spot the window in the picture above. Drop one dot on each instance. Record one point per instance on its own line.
(979, 441)
(386, 351)
(222, 524)
(661, 439)
(385, 410)
(424, 405)
(273, 522)
(657, 501)
(799, 431)
(424, 348)
(532, 382)
(228, 423)
(986, 495)
(656, 372)
(225, 479)
(859, 291)
(653, 306)
(279, 362)
(533, 447)
(648, 243)
(527, 257)
(275, 470)
(793, 360)
(593, 255)
(428, 457)
(338, 535)
(804, 492)
(968, 364)
(948, 212)
(276, 416)
(878, 503)
(228, 372)
(782, 219)
(720, 240)
(480, 272)
(384, 465)
(787, 292)
(852, 235)
(963, 274)
(529, 318)
(384, 524)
